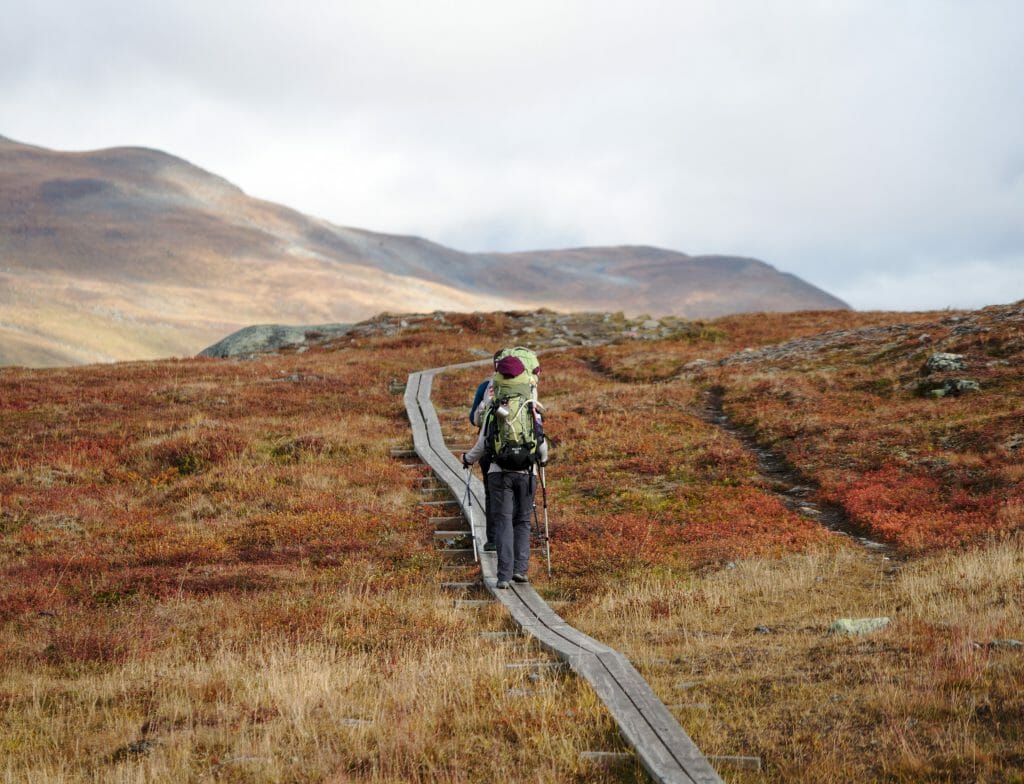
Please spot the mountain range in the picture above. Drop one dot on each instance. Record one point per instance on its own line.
(132, 253)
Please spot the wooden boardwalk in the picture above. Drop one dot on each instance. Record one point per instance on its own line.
(662, 746)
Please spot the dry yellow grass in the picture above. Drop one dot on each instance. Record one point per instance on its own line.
(397, 685)
(931, 698)
(389, 686)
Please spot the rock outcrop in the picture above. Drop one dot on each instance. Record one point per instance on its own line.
(273, 338)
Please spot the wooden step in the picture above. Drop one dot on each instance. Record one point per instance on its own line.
(461, 586)
(432, 491)
(735, 761)
(447, 502)
(605, 757)
(449, 523)
(457, 555)
(404, 453)
(452, 534)
(536, 665)
(461, 530)
(472, 604)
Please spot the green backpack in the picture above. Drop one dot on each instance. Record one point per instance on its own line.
(514, 431)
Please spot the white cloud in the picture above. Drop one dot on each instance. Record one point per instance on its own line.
(838, 141)
(971, 284)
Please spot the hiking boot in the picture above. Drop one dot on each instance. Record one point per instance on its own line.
(501, 584)
(490, 547)
(520, 578)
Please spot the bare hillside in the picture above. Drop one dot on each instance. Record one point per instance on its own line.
(131, 253)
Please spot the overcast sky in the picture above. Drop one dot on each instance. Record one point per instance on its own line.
(875, 149)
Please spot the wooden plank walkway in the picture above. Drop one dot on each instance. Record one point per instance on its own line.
(662, 746)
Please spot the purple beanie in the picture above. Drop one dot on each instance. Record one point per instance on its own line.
(510, 367)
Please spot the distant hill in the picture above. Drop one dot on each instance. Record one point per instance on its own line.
(131, 253)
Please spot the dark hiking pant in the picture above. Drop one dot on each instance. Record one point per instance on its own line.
(511, 497)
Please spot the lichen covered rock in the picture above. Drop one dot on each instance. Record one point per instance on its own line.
(851, 626)
(943, 362)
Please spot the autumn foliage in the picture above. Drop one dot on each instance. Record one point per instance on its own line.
(856, 414)
(217, 509)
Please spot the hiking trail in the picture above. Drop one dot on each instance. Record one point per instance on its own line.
(794, 489)
(662, 746)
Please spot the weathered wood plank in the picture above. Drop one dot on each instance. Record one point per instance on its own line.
(460, 555)
(434, 491)
(451, 534)
(653, 753)
(473, 604)
(556, 623)
(546, 665)
(605, 757)
(740, 762)
(448, 531)
(659, 718)
(460, 566)
(449, 523)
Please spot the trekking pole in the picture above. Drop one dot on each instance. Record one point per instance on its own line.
(469, 516)
(547, 536)
(535, 534)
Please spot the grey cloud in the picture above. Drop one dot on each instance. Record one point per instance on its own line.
(842, 142)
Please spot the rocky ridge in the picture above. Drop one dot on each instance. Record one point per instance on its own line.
(542, 329)
(932, 341)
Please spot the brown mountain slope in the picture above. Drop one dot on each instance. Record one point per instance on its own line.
(642, 279)
(131, 253)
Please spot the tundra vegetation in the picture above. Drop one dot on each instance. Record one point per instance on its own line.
(214, 570)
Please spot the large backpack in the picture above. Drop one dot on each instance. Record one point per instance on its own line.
(514, 432)
(514, 429)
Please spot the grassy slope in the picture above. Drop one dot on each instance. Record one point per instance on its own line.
(56, 319)
(220, 558)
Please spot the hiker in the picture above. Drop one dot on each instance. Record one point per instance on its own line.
(482, 400)
(512, 438)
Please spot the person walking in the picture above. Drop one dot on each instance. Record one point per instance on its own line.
(512, 437)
